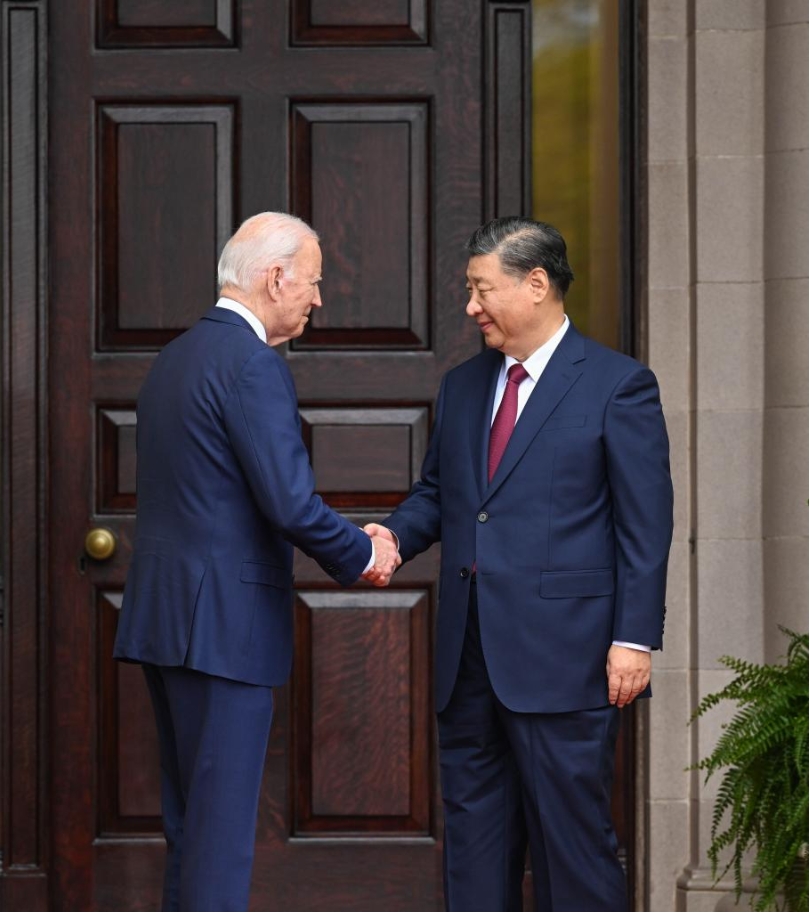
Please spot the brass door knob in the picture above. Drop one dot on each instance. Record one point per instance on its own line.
(99, 543)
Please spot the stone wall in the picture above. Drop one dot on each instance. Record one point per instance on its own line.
(727, 334)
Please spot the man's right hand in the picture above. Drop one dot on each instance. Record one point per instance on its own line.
(386, 555)
(374, 529)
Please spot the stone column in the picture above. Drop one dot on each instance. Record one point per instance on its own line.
(784, 490)
(727, 296)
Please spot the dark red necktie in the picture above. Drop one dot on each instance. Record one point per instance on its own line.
(505, 417)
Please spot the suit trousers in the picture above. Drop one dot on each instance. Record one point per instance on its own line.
(213, 735)
(511, 778)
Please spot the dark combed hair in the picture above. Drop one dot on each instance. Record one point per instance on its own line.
(522, 245)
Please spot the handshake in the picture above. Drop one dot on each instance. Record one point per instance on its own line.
(386, 554)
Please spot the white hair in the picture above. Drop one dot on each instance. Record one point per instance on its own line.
(265, 240)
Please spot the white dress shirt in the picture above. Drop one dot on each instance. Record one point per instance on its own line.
(238, 308)
(535, 364)
(258, 327)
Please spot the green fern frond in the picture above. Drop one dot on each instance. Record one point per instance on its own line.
(762, 801)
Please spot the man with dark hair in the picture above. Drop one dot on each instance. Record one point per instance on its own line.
(547, 481)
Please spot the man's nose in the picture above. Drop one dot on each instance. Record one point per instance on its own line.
(316, 300)
(473, 307)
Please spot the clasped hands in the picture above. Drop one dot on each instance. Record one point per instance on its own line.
(386, 555)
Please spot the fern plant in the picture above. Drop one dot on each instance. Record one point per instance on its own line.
(762, 800)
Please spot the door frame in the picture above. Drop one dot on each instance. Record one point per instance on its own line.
(23, 414)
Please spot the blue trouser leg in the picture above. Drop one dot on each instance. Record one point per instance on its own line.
(506, 775)
(213, 736)
(566, 767)
(484, 833)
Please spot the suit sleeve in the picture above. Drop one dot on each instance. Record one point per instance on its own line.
(637, 450)
(261, 417)
(417, 521)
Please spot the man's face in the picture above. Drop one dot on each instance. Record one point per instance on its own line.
(504, 307)
(299, 291)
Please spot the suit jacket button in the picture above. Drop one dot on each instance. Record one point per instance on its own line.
(483, 517)
(464, 572)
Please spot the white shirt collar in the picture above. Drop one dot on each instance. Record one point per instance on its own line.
(238, 308)
(535, 364)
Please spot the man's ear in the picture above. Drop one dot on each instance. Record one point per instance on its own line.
(538, 280)
(273, 280)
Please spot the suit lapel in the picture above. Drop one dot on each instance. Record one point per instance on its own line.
(480, 395)
(561, 373)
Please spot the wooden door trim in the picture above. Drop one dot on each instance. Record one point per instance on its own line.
(23, 616)
(633, 317)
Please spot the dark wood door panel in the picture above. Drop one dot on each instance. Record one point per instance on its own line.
(165, 190)
(156, 158)
(154, 23)
(362, 713)
(361, 172)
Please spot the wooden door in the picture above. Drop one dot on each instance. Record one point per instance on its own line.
(169, 124)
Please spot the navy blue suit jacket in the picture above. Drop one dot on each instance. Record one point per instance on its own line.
(225, 489)
(570, 540)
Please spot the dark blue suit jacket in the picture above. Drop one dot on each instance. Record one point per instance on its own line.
(570, 539)
(225, 489)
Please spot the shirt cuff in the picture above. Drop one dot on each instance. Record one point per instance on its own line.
(623, 643)
(370, 564)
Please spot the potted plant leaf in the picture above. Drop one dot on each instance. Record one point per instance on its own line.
(761, 805)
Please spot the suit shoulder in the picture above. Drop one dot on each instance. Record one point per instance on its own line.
(208, 354)
(613, 363)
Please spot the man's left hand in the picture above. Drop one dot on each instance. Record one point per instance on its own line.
(628, 674)
(386, 559)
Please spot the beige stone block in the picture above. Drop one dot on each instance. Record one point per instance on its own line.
(699, 889)
(730, 331)
(667, 17)
(729, 902)
(786, 79)
(785, 472)
(729, 475)
(675, 654)
(729, 600)
(667, 851)
(669, 345)
(706, 806)
(698, 901)
(729, 219)
(679, 448)
(786, 235)
(729, 93)
(786, 592)
(729, 14)
(666, 99)
(786, 342)
(668, 225)
(704, 733)
(780, 12)
(669, 738)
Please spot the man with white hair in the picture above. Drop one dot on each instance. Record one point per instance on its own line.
(225, 490)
